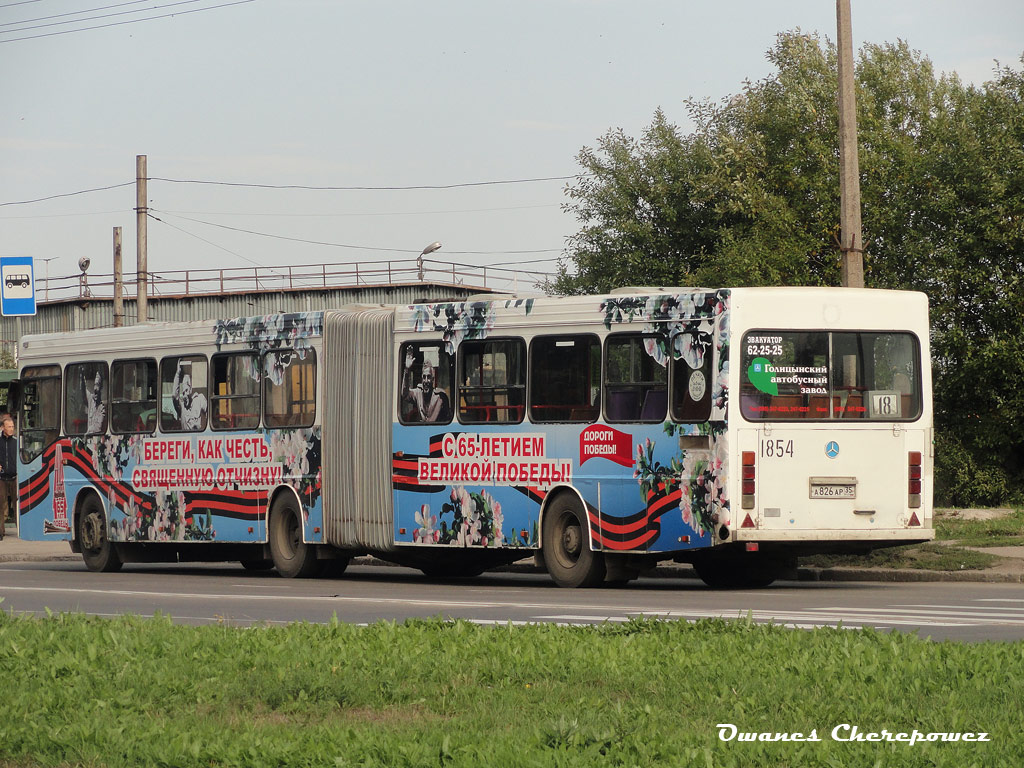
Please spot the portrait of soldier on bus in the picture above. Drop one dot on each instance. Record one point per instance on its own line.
(184, 390)
(85, 399)
(426, 377)
(95, 401)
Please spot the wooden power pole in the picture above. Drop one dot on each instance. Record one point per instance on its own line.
(141, 214)
(118, 281)
(851, 239)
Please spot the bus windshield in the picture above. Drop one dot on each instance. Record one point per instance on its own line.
(827, 375)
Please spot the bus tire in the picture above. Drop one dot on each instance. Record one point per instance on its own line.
(97, 551)
(566, 545)
(293, 558)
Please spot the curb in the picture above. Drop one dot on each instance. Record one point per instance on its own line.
(905, 574)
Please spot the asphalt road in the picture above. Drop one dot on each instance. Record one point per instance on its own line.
(227, 593)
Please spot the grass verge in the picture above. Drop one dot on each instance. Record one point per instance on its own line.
(1004, 531)
(128, 692)
(932, 557)
(951, 527)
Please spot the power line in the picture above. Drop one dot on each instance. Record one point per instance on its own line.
(363, 188)
(501, 267)
(77, 13)
(208, 242)
(279, 237)
(130, 21)
(344, 245)
(350, 214)
(317, 189)
(531, 261)
(92, 18)
(68, 194)
(61, 215)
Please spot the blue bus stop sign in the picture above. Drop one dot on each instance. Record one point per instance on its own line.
(17, 286)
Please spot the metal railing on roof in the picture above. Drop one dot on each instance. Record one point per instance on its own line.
(197, 282)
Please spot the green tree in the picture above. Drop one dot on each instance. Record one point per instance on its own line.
(751, 197)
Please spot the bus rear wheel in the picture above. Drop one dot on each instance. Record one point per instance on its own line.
(97, 551)
(293, 558)
(566, 548)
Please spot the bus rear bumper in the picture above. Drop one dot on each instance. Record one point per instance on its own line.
(889, 537)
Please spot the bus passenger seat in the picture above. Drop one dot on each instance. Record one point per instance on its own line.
(655, 403)
(623, 405)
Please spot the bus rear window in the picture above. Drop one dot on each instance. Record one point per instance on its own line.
(827, 375)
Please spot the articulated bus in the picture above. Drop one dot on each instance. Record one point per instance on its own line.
(733, 429)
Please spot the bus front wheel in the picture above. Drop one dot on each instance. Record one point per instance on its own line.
(566, 548)
(293, 558)
(97, 551)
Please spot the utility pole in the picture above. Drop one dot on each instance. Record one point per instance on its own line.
(141, 213)
(851, 239)
(118, 281)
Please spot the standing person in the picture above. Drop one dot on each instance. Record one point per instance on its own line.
(8, 471)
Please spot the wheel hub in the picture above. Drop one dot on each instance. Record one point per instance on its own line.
(92, 535)
(571, 541)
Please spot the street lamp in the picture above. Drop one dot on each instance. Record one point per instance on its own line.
(419, 260)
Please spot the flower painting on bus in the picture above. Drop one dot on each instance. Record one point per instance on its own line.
(464, 320)
(187, 487)
(467, 519)
(681, 327)
(293, 330)
(298, 451)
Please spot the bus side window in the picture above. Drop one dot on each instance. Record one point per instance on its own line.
(492, 381)
(425, 383)
(289, 388)
(636, 381)
(565, 379)
(85, 398)
(692, 379)
(183, 394)
(133, 396)
(236, 391)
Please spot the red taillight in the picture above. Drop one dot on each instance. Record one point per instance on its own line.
(914, 479)
(749, 474)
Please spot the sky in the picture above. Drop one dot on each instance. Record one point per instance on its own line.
(459, 121)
